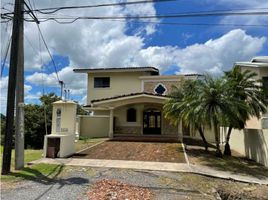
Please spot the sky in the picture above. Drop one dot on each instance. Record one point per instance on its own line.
(173, 49)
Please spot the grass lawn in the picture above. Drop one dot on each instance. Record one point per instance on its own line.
(29, 155)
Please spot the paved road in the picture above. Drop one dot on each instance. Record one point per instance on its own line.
(74, 182)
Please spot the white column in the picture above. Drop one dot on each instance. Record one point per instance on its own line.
(180, 133)
(111, 124)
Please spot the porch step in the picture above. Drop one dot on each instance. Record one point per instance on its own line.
(145, 138)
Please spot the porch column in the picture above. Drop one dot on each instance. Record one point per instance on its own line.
(111, 124)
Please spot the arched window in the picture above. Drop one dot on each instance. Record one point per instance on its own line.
(131, 115)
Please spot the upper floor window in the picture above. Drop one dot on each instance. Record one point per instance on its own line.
(160, 89)
(101, 82)
(131, 115)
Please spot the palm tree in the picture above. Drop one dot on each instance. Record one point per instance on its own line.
(244, 87)
(179, 107)
(214, 105)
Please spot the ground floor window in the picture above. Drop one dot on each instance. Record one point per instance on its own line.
(131, 115)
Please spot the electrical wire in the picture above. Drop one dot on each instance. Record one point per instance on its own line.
(50, 55)
(179, 15)
(5, 57)
(43, 80)
(56, 9)
(190, 24)
(6, 50)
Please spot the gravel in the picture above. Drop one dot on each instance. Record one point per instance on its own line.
(74, 183)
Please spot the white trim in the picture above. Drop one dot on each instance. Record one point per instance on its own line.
(96, 116)
(250, 64)
(163, 86)
(130, 97)
(142, 86)
(164, 80)
(162, 77)
(96, 108)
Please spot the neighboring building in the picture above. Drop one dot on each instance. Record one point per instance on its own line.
(129, 102)
(253, 140)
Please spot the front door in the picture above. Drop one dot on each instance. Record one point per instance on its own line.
(152, 122)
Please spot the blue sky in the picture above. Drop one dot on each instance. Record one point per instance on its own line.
(173, 49)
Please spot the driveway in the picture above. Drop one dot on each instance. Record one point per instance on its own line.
(137, 151)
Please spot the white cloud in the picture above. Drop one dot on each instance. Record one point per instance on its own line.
(85, 42)
(75, 82)
(245, 4)
(213, 56)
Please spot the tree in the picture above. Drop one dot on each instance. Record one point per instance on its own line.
(179, 107)
(205, 103)
(3, 127)
(244, 87)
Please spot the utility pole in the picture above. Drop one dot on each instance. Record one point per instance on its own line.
(19, 126)
(16, 59)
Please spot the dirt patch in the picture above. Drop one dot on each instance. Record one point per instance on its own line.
(235, 164)
(113, 189)
(141, 151)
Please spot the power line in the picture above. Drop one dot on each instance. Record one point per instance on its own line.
(55, 9)
(174, 23)
(179, 15)
(50, 55)
(5, 57)
(190, 24)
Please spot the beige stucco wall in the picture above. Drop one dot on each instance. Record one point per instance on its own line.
(252, 143)
(149, 86)
(68, 117)
(120, 83)
(94, 126)
(253, 123)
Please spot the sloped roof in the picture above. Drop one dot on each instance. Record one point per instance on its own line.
(127, 95)
(118, 69)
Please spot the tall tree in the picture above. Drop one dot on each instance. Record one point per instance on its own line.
(244, 86)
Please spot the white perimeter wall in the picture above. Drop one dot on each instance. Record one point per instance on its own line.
(252, 143)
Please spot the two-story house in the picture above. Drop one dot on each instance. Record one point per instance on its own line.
(129, 102)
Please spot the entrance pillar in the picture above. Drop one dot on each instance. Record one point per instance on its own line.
(111, 124)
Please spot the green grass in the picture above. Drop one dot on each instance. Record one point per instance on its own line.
(41, 172)
(29, 155)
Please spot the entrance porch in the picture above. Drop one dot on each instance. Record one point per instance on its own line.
(137, 117)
